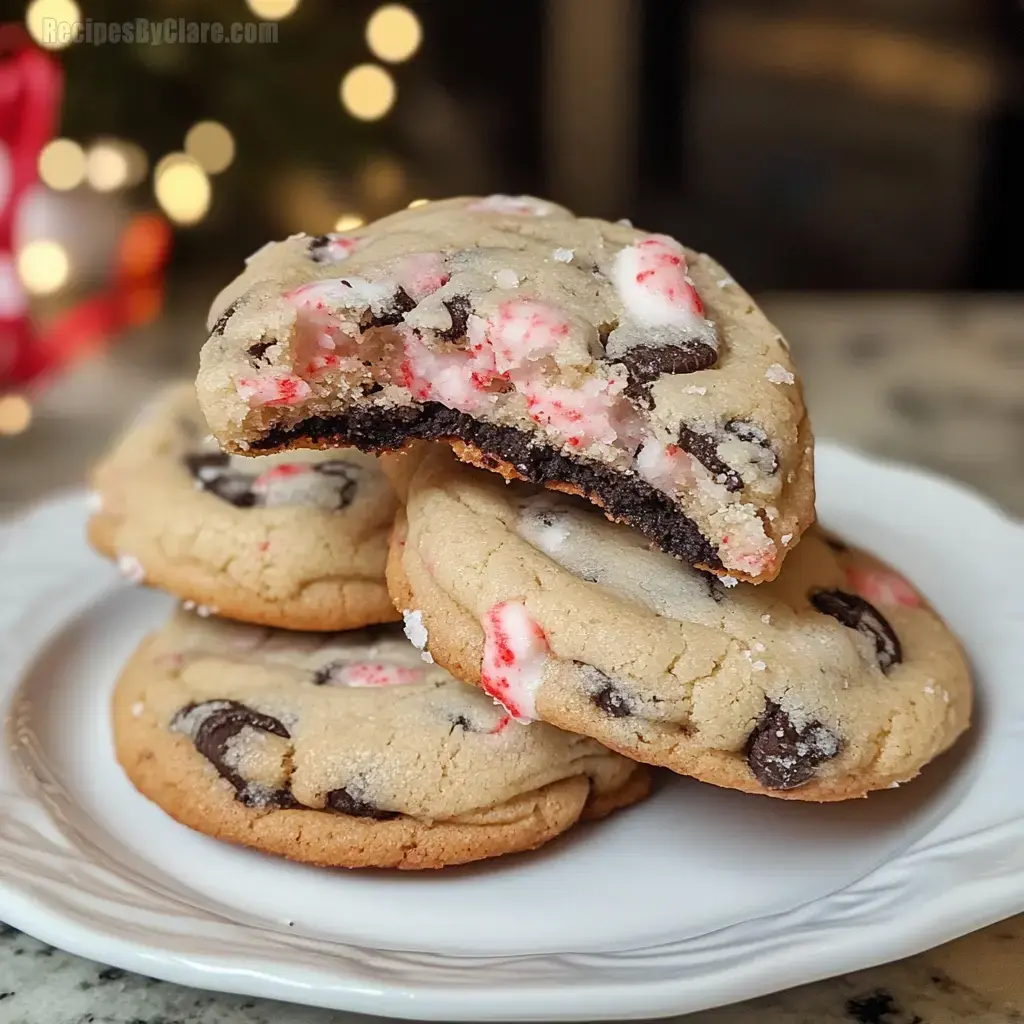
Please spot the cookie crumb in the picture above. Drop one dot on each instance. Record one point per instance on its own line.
(506, 278)
(130, 568)
(563, 255)
(778, 374)
(417, 633)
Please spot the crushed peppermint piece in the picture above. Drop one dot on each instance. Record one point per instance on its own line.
(728, 581)
(563, 255)
(758, 666)
(929, 690)
(724, 282)
(771, 512)
(694, 389)
(778, 374)
(417, 633)
(786, 538)
(758, 646)
(766, 619)
(131, 568)
(506, 278)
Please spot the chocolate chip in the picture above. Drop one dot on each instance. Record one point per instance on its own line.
(342, 801)
(257, 351)
(648, 362)
(222, 320)
(704, 449)
(856, 613)
(401, 303)
(753, 434)
(206, 465)
(461, 722)
(316, 246)
(459, 309)
(211, 471)
(784, 757)
(325, 675)
(346, 475)
(604, 694)
(222, 722)
(716, 589)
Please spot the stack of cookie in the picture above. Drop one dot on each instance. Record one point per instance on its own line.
(265, 713)
(605, 473)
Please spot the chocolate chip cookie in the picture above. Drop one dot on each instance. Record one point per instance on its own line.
(586, 356)
(833, 680)
(347, 750)
(297, 541)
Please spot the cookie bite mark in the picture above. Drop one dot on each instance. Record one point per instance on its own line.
(856, 613)
(781, 756)
(515, 655)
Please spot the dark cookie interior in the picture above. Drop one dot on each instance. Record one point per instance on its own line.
(780, 756)
(623, 495)
(861, 615)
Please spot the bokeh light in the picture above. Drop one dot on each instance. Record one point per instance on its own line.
(182, 188)
(393, 33)
(272, 10)
(15, 414)
(43, 266)
(382, 181)
(211, 145)
(106, 166)
(348, 222)
(368, 92)
(41, 11)
(62, 164)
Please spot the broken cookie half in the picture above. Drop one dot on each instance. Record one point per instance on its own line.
(586, 356)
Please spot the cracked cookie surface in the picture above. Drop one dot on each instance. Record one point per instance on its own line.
(833, 680)
(297, 541)
(582, 355)
(347, 749)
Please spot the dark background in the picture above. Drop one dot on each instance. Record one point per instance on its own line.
(808, 144)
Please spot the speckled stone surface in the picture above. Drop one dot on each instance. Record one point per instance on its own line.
(937, 382)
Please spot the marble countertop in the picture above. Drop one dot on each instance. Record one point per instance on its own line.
(934, 381)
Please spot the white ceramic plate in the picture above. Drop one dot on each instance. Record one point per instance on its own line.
(696, 898)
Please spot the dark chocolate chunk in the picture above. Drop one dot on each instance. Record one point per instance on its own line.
(316, 246)
(784, 757)
(459, 309)
(206, 465)
(462, 722)
(704, 449)
(345, 475)
(222, 320)
(323, 676)
(648, 362)
(257, 351)
(605, 694)
(223, 722)
(752, 433)
(858, 614)
(878, 1007)
(395, 314)
(342, 801)
(623, 495)
(211, 470)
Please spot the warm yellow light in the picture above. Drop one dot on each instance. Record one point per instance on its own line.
(418, 202)
(368, 92)
(106, 166)
(211, 145)
(15, 414)
(393, 33)
(348, 222)
(62, 164)
(138, 162)
(47, 22)
(43, 266)
(182, 188)
(272, 10)
(382, 181)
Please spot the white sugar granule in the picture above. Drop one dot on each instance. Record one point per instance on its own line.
(506, 278)
(131, 568)
(778, 374)
(417, 633)
(563, 255)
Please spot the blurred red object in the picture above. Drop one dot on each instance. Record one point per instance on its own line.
(30, 89)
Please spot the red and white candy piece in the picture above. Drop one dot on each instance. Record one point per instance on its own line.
(881, 586)
(524, 330)
(374, 673)
(278, 474)
(515, 654)
(421, 274)
(337, 248)
(652, 281)
(273, 389)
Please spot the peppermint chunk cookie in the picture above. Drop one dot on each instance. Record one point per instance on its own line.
(297, 541)
(586, 356)
(347, 750)
(832, 680)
